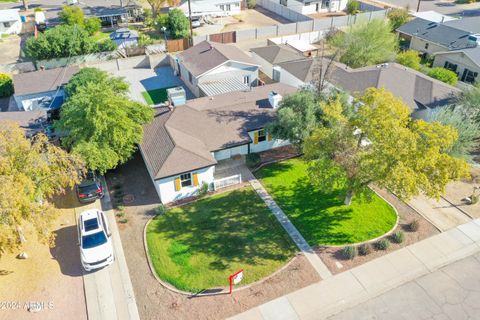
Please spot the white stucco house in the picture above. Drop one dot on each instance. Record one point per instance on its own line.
(10, 22)
(185, 144)
(313, 6)
(41, 90)
(211, 68)
(465, 63)
(211, 8)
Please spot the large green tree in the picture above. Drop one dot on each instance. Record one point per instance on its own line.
(31, 171)
(71, 15)
(366, 43)
(380, 144)
(178, 24)
(104, 126)
(158, 4)
(87, 75)
(468, 131)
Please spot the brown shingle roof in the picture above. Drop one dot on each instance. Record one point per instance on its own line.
(207, 55)
(275, 54)
(183, 139)
(42, 81)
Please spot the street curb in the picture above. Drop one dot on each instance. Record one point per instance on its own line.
(192, 294)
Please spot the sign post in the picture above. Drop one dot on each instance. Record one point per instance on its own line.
(235, 279)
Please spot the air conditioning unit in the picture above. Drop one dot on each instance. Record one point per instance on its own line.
(177, 96)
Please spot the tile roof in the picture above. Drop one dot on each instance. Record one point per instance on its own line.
(276, 54)
(43, 80)
(183, 139)
(206, 56)
(439, 33)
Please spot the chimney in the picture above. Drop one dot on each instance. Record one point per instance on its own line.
(274, 99)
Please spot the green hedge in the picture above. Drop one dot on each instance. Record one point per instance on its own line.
(6, 85)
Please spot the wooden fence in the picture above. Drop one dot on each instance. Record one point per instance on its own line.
(177, 45)
(224, 37)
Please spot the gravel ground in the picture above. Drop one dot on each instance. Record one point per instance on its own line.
(456, 191)
(152, 298)
(332, 258)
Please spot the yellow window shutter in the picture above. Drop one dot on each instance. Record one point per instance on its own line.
(195, 179)
(255, 137)
(269, 137)
(177, 184)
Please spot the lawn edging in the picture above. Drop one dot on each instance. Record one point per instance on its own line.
(374, 239)
(200, 294)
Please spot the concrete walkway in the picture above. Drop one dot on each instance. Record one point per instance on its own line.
(440, 213)
(373, 278)
(108, 291)
(312, 257)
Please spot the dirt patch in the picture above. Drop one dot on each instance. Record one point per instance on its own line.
(152, 298)
(456, 193)
(51, 277)
(332, 258)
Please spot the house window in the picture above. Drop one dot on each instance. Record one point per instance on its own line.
(469, 76)
(450, 66)
(228, 7)
(246, 79)
(426, 46)
(283, 3)
(190, 77)
(7, 24)
(325, 4)
(276, 75)
(186, 179)
(261, 135)
(222, 7)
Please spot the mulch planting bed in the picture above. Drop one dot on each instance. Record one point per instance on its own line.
(332, 256)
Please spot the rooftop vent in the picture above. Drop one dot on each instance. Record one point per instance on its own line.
(274, 99)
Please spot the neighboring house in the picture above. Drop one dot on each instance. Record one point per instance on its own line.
(433, 16)
(313, 6)
(124, 37)
(211, 8)
(465, 63)
(10, 22)
(114, 14)
(210, 69)
(32, 122)
(469, 24)
(183, 145)
(41, 89)
(270, 56)
(432, 37)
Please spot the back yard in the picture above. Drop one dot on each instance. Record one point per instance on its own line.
(197, 246)
(322, 218)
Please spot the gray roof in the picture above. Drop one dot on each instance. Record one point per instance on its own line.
(472, 53)
(438, 33)
(221, 86)
(414, 88)
(183, 139)
(469, 24)
(31, 121)
(206, 56)
(42, 81)
(276, 54)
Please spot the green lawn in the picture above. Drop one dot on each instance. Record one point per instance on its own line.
(156, 96)
(100, 36)
(197, 246)
(322, 218)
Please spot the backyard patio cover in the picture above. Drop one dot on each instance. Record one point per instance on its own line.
(216, 87)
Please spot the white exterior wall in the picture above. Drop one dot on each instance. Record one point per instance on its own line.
(265, 66)
(231, 70)
(230, 152)
(166, 186)
(15, 27)
(193, 86)
(266, 145)
(419, 45)
(460, 59)
(297, 6)
(288, 78)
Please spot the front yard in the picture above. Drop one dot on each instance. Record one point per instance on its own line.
(322, 218)
(197, 246)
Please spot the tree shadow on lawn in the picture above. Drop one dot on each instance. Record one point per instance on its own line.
(235, 230)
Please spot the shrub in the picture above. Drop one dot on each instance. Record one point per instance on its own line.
(409, 58)
(161, 209)
(443, 75)
(349, 252)
(71, 15)
(93, 25)
(203, 190)
(106, 45)
(124, 220)
(6, 85)
(178, 24)
(398, 17)
(252, 160)
(120, 214)
(121, 208)
(38, 9)
(353, 7)
(144, 40)
(364, 249)
(382, 244)
(251, 4)
(161, 21)
(398, 237)
(414, 226)
(475, 198)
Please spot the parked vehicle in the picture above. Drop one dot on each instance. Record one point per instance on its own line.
(94, 239)
(90, 189)
(40, 21)
(196, 22)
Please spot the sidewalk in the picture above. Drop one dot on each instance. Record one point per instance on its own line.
(301, 243)
(373, 278)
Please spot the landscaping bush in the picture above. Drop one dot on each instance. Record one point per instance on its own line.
(353, 7)
(38, 9)
(124, 220)
(161, 21)
(349, 252)
(364, 249)
(398, 17)
(398, 237)
(414, 226)
(252, 160)
(382, 244)
(178, 24)
(161, 209)
(6, 85)
(251, 4)
(203, 190)
(92, 25)
(443, 75)
(71, 15)
(409, 58)
(120, 214)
